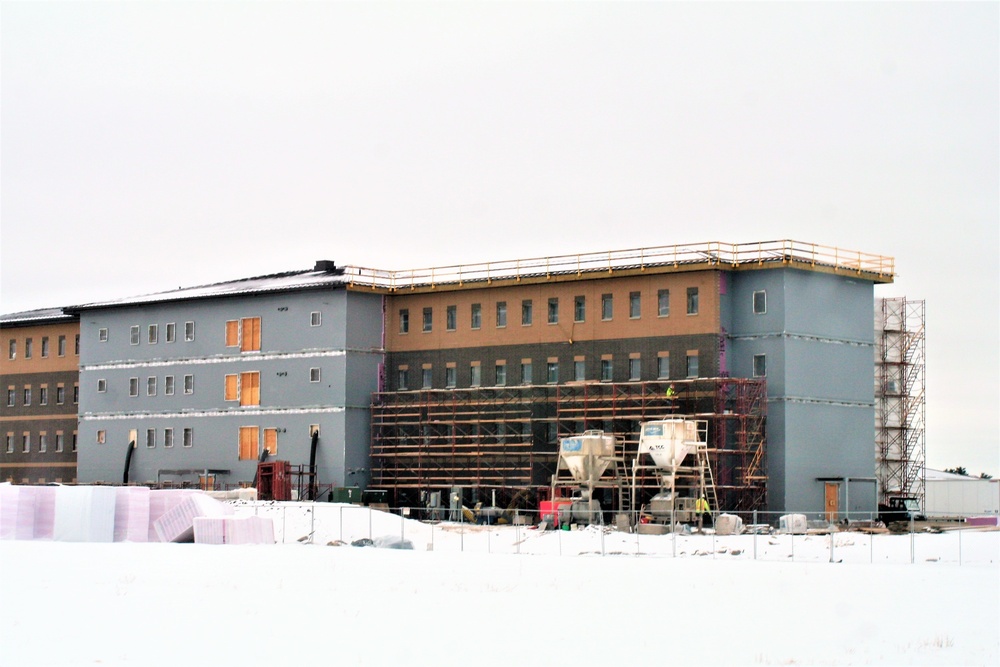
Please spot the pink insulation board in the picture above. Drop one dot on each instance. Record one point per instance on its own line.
(84, 514)
(233, 530)
(162, 501)
(177, 525)
(132, 514)
(983, 521)
(45, 512)
(17, 512)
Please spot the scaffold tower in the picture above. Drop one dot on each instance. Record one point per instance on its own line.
(505, 439)
(900, 398)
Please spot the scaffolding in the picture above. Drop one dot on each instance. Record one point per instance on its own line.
(505, 439)
(899, 398)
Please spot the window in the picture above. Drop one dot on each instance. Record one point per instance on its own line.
(501, 374)
(314, 374)
(475, 375)
(10, 443)
(60, 441)
(250, 388)
(271, 440)
(554, 310)
(231, 391)
(133, 386)
(102, 386)
(501, 314)
(663, 303)
(759, 366)
(43, 442)
(11, 396)
(188, 384)
(133, 335)
(663, 367)
(579, 308)
(150, 438)
(404, 321)
(102, 335)
(101, 436)
(449, 376)
(402, 378)
(759, 302)
(45, 347)
(248, 445)
(634, 368)
(477, 315)
(27, 396)
(692, 364)
(168, 385)
(451, 318)
(315, 318)
(634, 305)
(189, 331)
(171, 332)
(244, 333)
(76, 393)
(151, 386)
(153, 334)
(606, 370)
(526, 313)
(61, 346)
(25, 443)
(74, 436)
(43, 395)
(60, 394)
(427, 377)
(526, 372)
(552, 372)
(579, 370)
(27, 348)
(12, 348)
(76, 344)
(428, 319)
(168, 438)
(188, 437)
(692, 300)
(607, 306)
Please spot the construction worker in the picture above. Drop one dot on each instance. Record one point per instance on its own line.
(671, 397)
(703, 511)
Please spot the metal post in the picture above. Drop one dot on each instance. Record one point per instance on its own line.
(831, 545)
(341, 523)
(602, 532)
(312, 523)
(792, 536)
(912, 543)
(673, 542)
(284, 511)
(369, 523)
(517, 537)
(755, 534)
(461, 529)
(959, 546)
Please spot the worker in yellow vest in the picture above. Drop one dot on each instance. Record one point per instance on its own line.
(703, 511)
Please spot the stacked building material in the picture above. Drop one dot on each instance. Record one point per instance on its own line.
(132, 514)
(162, 501)
(177, 524)
(84, 514)
(17, 512)
(233, 530)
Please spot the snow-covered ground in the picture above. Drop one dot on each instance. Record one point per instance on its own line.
(502, 596)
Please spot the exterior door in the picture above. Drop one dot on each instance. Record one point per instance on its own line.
(832, 500)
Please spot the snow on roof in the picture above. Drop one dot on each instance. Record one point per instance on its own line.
(278, 282)
(40, 316)
(942, 476)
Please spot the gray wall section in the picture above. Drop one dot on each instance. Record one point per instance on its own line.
(817, 338)
(348, 363)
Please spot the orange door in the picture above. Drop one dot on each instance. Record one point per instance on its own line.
(832, 499)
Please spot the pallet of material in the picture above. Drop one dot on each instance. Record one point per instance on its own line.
(177, 524)
(17, 512)
(132, 514)
(84, 514)
(233, 530)
(162, 501)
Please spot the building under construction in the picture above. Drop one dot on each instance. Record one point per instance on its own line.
(498, 442)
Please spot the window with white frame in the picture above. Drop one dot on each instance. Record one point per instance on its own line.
(12, 348)
(501, 374)
(188, 384)
(315, 318)
(151, 385)
(692, 300)
(102, 385)
(133, 386)
(607, 306)
(663, 367)
(61, 346)
(475, 374)
(28, 348)
(554, 310)
(11, 396)
(634, 305)
(552, 372)
(76, 393)
(150, 438)
(168, 385)
(527, 313)
(43, 395)
(171, 332)
(27, 396)
(759, 366)
(168, 438)
(477, 315)
(449, 376)
(427, 377)
(189, 331)
(579, 370)
(579, 308)
(10, 443)
(634, 368)
(607, 370)
(43, 442)
(102, 436)
(451, 318)
(25, 443)
(153, 334)
(102, 335)
(133, 334)
(663, 303)
(402, 378)
(188, 437)
(45, 347)
(314, 374)
(692, 364)
(526, 372)
(759, 302)
(60, 394)
(428, 323)
(404, 321)
(501, 314)
(60, 441)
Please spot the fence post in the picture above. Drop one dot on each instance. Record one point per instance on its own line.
(959, 546)
(755, 534)
(602, 532)
(341, 523)
(912, 543)
(832, 534)
(284, 512)
(517, 537)
(370, 523)
(792, 536)
(312, 524)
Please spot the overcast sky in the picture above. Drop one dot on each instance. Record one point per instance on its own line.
(147, 146)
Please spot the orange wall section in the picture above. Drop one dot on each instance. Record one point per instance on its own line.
(37, 363)
(707, 320)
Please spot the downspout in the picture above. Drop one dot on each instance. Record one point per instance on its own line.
(312, 465)
(128, 461)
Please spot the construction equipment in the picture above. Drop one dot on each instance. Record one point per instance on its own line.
(676, 451)
(583, 461)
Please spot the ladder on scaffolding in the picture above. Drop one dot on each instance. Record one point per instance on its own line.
(710, 493)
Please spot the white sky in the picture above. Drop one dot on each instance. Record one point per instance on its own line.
(147, 146)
